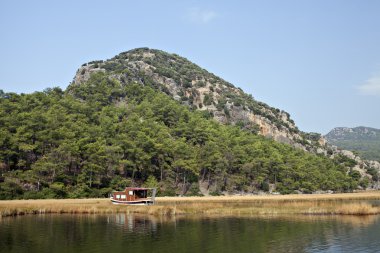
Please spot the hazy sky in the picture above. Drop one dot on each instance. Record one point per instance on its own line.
(319, 60)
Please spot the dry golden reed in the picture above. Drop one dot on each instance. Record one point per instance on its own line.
(321, 204)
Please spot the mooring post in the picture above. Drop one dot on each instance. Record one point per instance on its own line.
(154, 195)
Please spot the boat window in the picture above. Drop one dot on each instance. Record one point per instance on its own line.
(123, 196)
(118, 196)
(141, 194)
(130, 193)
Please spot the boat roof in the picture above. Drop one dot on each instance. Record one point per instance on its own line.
(137, 189)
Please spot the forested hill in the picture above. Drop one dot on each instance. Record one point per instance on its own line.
(105, 132)
(199, 89)
(364, 140)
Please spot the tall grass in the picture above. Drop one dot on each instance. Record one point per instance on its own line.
(330, 204)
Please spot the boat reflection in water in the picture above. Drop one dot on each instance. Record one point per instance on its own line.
(137, 223)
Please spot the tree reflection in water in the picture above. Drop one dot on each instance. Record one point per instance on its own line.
(142, 233)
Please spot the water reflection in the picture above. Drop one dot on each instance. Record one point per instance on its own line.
(138, 233)
(134, 223)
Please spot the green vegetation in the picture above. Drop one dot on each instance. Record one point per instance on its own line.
(104, 135)
(188, 77)
(364, 141)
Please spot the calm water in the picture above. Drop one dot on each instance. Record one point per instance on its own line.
(128, 233)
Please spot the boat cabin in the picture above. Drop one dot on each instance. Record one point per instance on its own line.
(134, 195)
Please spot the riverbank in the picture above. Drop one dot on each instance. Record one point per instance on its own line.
(318, 204)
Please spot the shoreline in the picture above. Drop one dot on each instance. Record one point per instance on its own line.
(313, 204)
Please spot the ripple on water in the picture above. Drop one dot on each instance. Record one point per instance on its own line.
(133, 233)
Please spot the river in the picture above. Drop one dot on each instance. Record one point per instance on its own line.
(131, 233)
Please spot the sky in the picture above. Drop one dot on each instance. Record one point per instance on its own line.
(319, 60)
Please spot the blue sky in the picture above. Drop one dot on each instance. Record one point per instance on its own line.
(319, 60)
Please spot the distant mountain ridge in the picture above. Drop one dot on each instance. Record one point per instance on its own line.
(364, 140)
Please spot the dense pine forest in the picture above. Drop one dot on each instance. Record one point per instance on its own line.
(103, 135)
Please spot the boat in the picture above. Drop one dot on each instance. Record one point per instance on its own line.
(134, 196)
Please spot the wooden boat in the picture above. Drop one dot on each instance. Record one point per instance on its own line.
(134, 196)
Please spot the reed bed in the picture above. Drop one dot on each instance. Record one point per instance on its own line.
(365, 195)
(321, 204)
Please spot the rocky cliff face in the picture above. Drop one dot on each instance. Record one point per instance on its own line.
(193, 86)
(362, 164)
